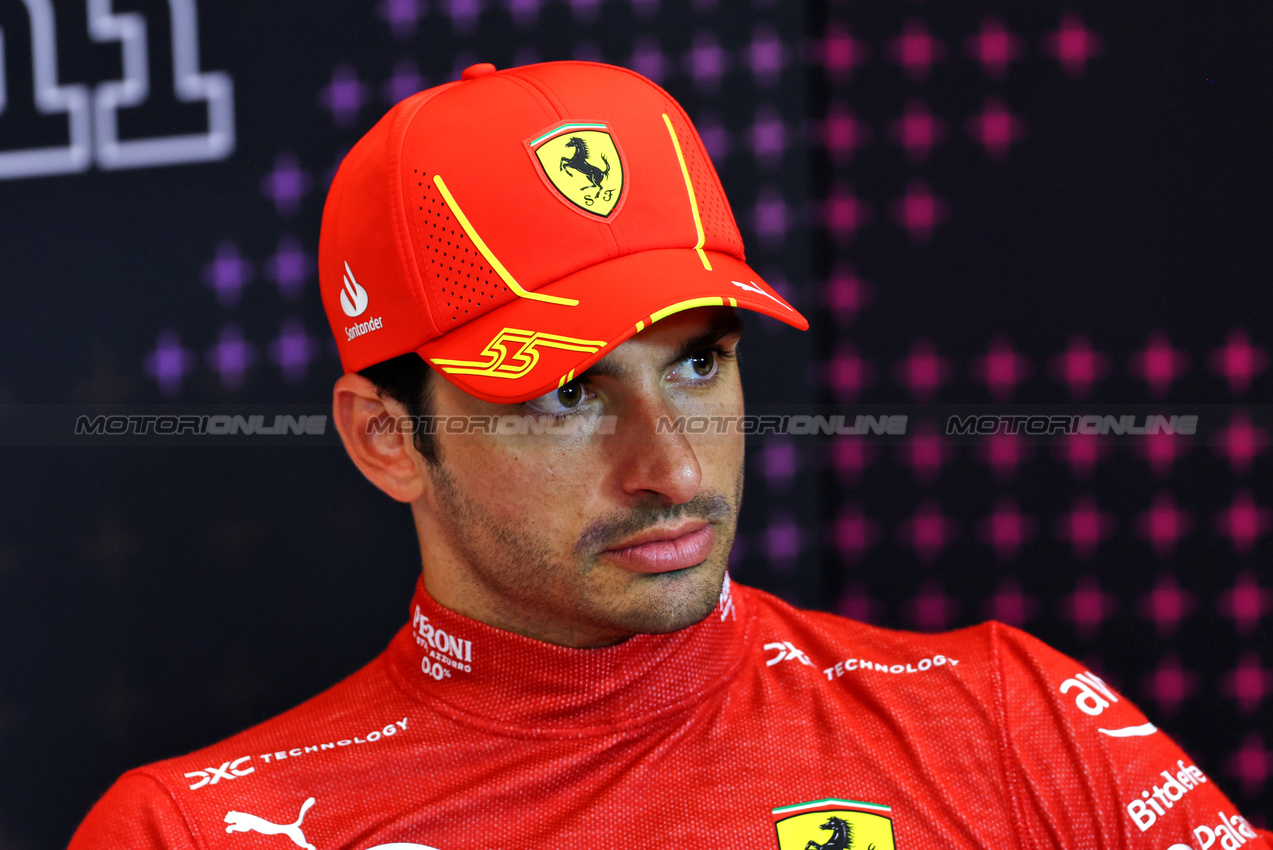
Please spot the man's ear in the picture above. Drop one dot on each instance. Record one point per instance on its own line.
(385, 455)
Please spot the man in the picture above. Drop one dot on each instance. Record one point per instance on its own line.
(578, 670)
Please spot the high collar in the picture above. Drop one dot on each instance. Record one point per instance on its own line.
(497, 678)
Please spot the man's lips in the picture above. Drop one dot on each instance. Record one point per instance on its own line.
(667, 549)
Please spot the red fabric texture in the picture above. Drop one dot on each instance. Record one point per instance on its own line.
(463, 736)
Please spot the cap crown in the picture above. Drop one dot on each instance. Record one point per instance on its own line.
(473, 159)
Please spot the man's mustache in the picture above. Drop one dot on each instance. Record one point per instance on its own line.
(708, 505)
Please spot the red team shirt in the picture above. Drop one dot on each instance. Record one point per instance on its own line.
(763, 727)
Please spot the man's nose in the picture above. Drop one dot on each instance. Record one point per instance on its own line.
(655, 458)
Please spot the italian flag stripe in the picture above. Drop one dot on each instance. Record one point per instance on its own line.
(820, 804)
(565, 128)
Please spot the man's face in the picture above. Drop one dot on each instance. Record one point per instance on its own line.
(588, 538)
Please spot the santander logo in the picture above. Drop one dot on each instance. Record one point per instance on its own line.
(353, 298)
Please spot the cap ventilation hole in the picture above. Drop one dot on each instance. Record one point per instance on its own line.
(461, 279)
(718, 224)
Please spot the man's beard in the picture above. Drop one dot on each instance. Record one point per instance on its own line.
(519, 569)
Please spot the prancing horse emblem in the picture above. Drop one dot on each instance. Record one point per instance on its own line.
(853, 824)
(581, 162)
(841, 836)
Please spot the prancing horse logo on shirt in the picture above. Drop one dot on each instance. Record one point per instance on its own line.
(834, 825)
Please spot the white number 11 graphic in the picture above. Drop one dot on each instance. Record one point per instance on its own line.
(91, 114)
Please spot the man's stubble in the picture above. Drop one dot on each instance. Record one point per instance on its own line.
(516, 565)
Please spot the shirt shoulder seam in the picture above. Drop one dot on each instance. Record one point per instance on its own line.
(1011, 767)
(176, 804)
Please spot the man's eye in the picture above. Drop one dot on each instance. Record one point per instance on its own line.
(700, 366)
(570, 394)
(561, 400)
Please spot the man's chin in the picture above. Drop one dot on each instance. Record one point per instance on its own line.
(674, 600)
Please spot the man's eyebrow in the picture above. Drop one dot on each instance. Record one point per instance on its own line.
(725, 324)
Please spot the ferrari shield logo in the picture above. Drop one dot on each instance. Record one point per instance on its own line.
(834, 825)
(581, 163)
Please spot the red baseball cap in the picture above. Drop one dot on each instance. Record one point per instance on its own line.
(515, 226)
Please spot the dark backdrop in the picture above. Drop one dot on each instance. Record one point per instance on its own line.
(1062, 203)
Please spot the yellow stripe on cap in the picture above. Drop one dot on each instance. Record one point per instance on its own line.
(689, 187)
(711, 301)
(490, 257)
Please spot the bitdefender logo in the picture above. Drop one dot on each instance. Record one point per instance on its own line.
(353, 298)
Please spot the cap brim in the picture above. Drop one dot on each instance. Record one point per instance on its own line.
(531, 346)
